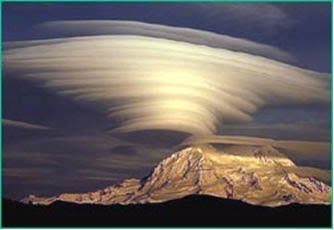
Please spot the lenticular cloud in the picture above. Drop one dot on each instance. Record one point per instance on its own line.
(159, 83)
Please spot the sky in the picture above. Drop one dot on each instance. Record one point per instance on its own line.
(53, 144)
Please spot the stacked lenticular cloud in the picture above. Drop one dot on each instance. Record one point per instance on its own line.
(154, 77)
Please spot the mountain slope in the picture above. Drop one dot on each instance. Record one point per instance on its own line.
(257, 177)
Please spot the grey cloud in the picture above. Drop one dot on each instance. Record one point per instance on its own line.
(25, 172)
(264, 17)
(23, 125)
(124, 150)
(117, 27)
(312, 130)
(66, 164)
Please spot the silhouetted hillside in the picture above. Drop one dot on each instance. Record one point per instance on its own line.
(191, 211)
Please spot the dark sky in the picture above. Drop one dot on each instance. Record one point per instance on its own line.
(72, 151)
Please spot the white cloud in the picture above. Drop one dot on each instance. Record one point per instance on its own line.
(160, 83)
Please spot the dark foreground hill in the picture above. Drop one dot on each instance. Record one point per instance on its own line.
(191, 211)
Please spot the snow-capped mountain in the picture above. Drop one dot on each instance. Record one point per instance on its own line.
(257, 177)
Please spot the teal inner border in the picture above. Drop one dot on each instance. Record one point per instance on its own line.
(160, 1)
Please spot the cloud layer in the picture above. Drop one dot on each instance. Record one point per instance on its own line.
(157, 82)
(297, 150)
(189, 35)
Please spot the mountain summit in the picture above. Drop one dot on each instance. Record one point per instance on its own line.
(258, 176)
